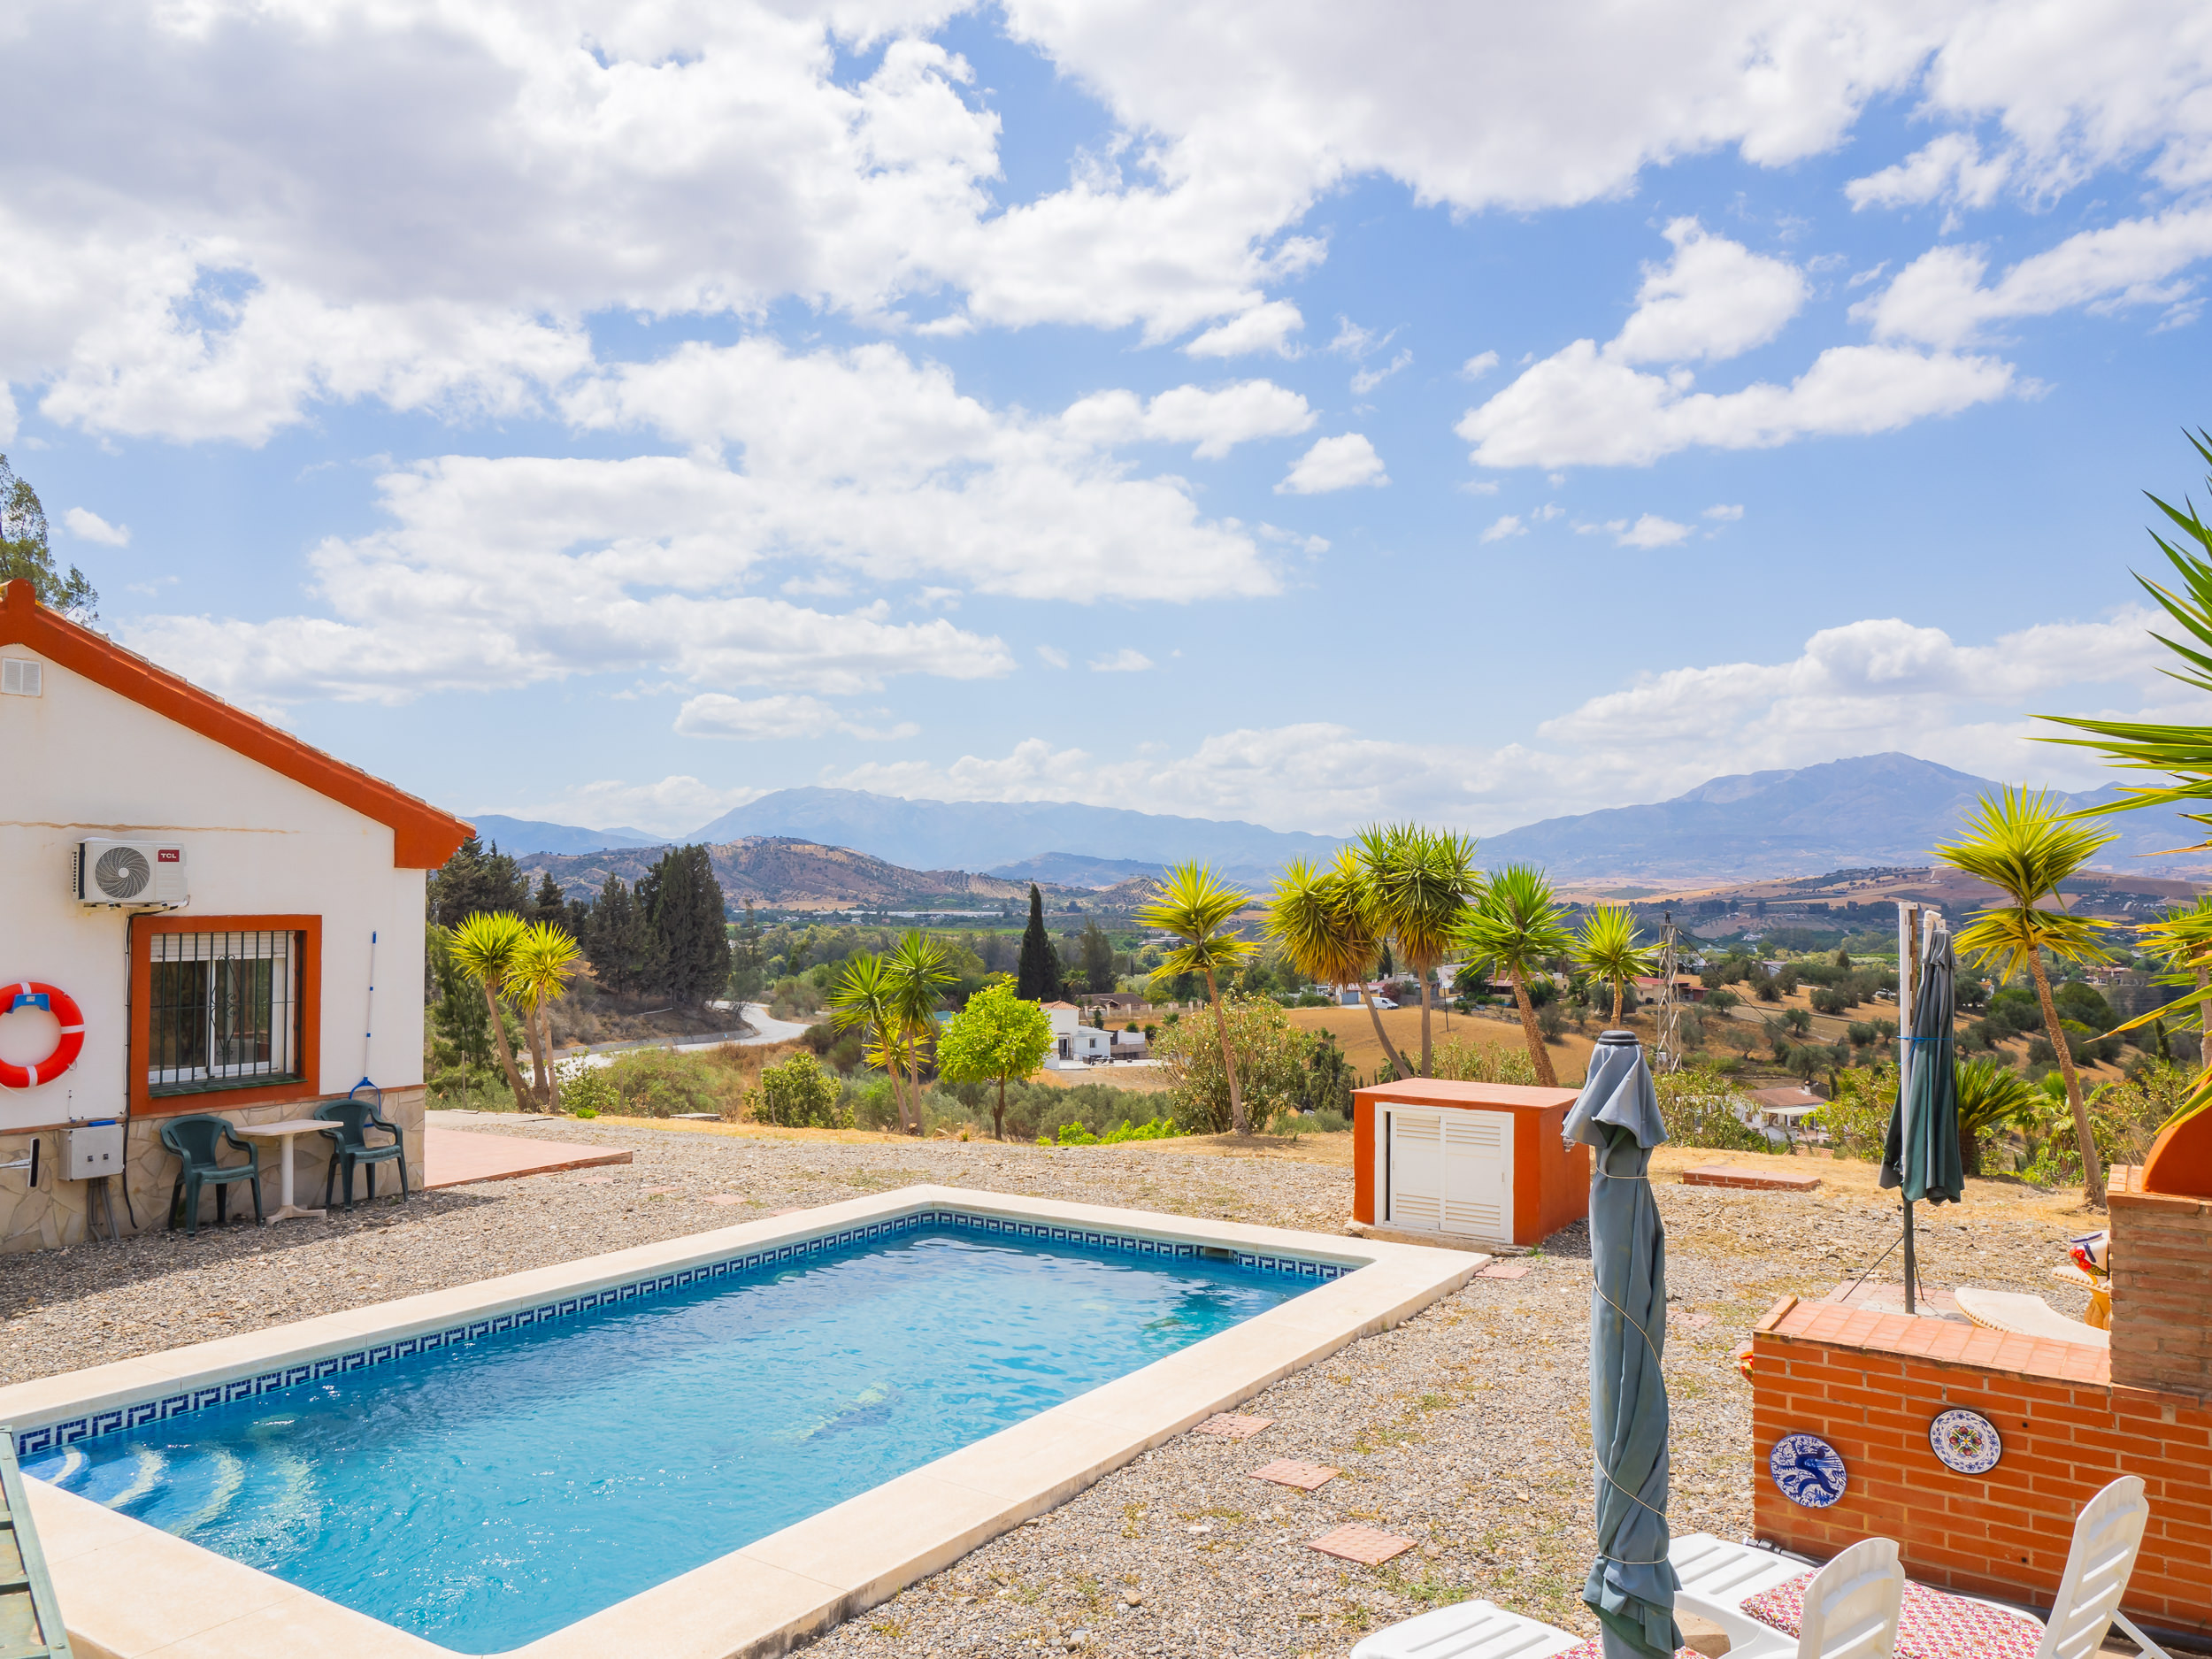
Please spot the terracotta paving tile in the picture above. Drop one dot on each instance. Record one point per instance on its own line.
(1692, 1321)
(727, 1198)
(658, 1192)
(1502, 1269)
(1231, 1427)
(454, 1157)
(1363, 1544)
(1286, 1471)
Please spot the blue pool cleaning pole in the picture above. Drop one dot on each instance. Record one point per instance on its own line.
(368, 1016)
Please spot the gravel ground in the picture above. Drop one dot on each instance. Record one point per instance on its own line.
(1465, 1428)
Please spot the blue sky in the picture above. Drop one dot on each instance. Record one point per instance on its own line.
(611, 415)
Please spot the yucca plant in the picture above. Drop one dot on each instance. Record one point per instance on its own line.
(1516, 926)
(864, 1000)
(1991, 1098)
(1196, 909)
(1417, 886)
(1320, 918)
(2024, 847)
(917, 973)
(1607, 947)
(544, 962)
(486, 947)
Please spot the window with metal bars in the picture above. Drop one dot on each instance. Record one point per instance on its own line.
(225, 1011)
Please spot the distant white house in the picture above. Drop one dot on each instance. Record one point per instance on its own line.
(1075, 1045)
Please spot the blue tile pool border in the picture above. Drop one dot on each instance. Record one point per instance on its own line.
(383, 1351)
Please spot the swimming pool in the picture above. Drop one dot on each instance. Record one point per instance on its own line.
(128, 1589)
(544, 1473)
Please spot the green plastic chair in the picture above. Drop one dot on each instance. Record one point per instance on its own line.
(351, 1119)
(196, 1140)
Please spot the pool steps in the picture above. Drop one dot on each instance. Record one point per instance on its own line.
(31, 1624)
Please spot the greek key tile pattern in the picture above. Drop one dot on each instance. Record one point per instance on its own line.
(31, 1441)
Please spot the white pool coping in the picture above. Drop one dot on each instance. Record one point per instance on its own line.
(130, 1591)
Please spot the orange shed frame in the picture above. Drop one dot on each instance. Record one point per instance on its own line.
(1551, 1182)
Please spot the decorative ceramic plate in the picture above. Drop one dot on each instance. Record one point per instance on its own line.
(1807, 1470)
(1966, 1440)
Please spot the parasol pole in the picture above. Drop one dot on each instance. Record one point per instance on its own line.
(1907, 986)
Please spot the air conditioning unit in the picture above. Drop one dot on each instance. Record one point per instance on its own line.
(130, 872)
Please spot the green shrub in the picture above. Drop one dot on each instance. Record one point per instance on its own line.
(1271, 1058)
(659, 1083)
(588, 1090)
(1857, 1119)
(1862, 1032)
(1699, 1111)
(797, 1094)
(1466, 1062)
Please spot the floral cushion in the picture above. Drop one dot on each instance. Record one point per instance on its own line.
(1929, 1625)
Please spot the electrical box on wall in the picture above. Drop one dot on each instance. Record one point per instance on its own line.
(129, 873)
(91, 1150)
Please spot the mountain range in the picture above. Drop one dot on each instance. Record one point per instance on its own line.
(1885, 808)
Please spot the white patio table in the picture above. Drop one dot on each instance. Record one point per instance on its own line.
(286, 1132)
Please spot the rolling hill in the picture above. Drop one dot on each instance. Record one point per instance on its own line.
(782, 872)
(1873, 809)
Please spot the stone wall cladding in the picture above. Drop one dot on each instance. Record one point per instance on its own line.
(2162, 1289)
(1869, 1384)
(53, 1215)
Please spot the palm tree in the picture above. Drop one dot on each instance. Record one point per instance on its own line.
(1196, 909)
(1516, 926)
(486, 947)
(1418, 885)
(914, 972)
(2022, 845)
(1607, 947)
(544, 963)
(1319, 919)
(865, 1001)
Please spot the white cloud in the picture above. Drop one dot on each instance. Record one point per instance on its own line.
(714, 714)
(1506, 524)
(1263, 328)
(1946, 169)
(1345, 462)
(1588, 405)
(1216, 422)
(1128, 660)
(1724, 514)
(88, 525)
(1863, 688)
(869, 461)
(1940, 298)
(1052, 656)
(1649, 530)
(1367, 380)
(1715, 299)
(1577, 408)
(1478, 365)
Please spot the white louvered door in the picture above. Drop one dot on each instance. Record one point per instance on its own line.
(1417, 1169)
(1478, 1168)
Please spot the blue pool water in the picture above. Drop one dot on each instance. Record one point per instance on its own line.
(487, 1494)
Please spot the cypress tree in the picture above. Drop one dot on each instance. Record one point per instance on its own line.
(1038, 980)
(614, 940)
(688, 945)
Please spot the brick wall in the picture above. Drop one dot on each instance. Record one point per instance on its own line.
(1871, 1383)
(2162, 1289)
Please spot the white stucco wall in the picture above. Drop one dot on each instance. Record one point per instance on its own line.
(81, 761)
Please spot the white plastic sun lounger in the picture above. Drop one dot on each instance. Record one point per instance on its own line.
(2019, 1315)
(1468, 1630)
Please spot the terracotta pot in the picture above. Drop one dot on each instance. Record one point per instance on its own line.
(2180, 1160)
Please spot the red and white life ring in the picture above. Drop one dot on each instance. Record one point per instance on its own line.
(31, 994)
